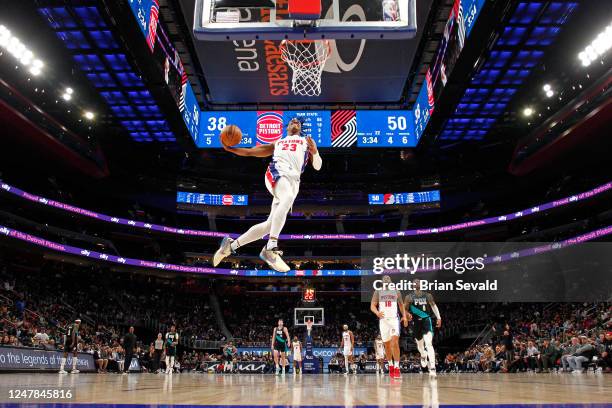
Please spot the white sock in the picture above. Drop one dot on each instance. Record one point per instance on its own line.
(272, 243)
(62, 363)
(74, 362)
(396, 364)
(234, 245)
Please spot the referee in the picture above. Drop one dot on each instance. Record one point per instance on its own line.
(129, 342)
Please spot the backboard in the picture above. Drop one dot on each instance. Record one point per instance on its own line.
(340, 19)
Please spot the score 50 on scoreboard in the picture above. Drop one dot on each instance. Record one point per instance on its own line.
(374, 128)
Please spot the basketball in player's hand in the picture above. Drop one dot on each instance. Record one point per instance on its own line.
(231, 135)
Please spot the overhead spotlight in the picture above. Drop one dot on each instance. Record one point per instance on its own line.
(89, 115)
(69, 91)
(527, 111)
(546, 87)
(598, 47)
(550, 93)
(66, 96)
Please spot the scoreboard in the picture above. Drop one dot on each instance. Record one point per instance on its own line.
(419, 197)
(263, 127)
(184, 197)
(385, 129)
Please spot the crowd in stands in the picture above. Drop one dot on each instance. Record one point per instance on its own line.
(566, 337)
(37, 302)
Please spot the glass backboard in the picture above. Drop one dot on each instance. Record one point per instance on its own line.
(340, 19)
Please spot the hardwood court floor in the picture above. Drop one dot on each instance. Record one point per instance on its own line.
(336, 390)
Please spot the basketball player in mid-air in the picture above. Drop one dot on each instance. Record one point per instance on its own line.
(71, 342)
(172, 340)
(379, 348)
(280, 340)
(297, 356)
(348, 347)
(421, 307)
(385, 304)
(289, 158)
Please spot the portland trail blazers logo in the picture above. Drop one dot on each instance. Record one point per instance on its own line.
(269, 127)
(344, 128)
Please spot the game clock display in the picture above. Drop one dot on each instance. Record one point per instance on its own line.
(385, 129)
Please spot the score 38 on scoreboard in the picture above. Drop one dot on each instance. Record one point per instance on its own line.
(368, 129)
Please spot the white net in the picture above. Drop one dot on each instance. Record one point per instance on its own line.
(307, 59)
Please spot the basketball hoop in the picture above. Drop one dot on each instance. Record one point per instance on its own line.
(307, 59)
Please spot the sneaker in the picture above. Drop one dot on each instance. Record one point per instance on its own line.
(75, 371)
(391, 371)
(432, 373)
(273, 258)
(224, 251)
(423, 362)
(397, 373)
(124, 373)
(277, 371)
(62, 372)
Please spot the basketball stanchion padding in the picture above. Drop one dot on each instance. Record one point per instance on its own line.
(305, 9)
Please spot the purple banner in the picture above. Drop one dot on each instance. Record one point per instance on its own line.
(141, 263)
(380, 235)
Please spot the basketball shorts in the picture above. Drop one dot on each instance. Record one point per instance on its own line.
(347, 351)
(389, 327)
(297, 357)
(280, 346)
(421, 327)
(272, 181)
(69, 347)
(380, 354)
(171, 351)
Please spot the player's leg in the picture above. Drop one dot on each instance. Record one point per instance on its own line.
(63, 361)
(395, 350)
(421, 347)
(285, 191)
(431, 355)
(276, 365)
(283, 360)
(347, 362)
(255, 233)
(74, 362)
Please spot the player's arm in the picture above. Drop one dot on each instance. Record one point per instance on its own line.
(258, 151)
(315, 158)
(435, 309)
(287, 334)
(407, 301)
(374, 306)
(273, 338)
(400, 304)
(352, 341)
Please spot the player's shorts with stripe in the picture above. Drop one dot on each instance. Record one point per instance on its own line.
(347, 351)
(280, 346)
(389, 327)
(421, 327)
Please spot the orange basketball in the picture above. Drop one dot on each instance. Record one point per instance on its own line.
(231, 135)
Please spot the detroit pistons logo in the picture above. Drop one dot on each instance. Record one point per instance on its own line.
(269, 127)
(227, 199)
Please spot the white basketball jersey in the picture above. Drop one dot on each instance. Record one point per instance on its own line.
(387, 303)
(346, 337)
(296, 348)
(290, 156)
